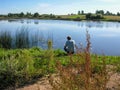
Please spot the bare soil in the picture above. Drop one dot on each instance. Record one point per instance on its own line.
(43, 84)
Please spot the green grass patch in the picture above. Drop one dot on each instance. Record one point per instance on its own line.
(21, 66)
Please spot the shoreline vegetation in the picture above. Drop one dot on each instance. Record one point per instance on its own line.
(21, 67)
(68, 17)
(80, 71)
(99, 15)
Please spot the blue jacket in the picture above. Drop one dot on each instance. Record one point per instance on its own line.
(70, 45)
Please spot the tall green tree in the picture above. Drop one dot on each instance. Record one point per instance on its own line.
(118, 14)
(108, 13)
(52, 16)
(28, 14)
(10, 14)
(82, 12)
(100, 12)
(21, 14)
(88, 16)
(78, 12)
(36, 14)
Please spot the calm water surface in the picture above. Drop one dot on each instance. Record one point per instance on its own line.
(105, 36)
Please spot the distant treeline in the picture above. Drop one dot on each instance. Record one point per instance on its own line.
(29, 15)
(81, 15)
(102, 12)
(99, 14)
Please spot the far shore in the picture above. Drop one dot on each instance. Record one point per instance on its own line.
(108, 18)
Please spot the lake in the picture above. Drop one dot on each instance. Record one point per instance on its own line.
(105, 36)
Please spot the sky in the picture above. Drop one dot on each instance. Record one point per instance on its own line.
(58, 7)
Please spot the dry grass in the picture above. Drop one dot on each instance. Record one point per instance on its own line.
(82, 17)
(115, 18)
(79, 75)
(72, 16)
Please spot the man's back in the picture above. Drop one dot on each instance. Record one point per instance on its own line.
(70, 44)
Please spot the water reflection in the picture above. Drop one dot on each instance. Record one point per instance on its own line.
(89, 24)
(36, 22)
(28, 21)
(22, 21)
(12, 20)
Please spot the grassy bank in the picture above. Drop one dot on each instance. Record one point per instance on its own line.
(19, 67)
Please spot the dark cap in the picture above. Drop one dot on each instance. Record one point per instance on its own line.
(69, 37)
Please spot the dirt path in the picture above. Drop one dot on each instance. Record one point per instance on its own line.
(43, 84)
(114, 82)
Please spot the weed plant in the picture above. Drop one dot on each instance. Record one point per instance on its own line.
(83, 71)
(21, 66)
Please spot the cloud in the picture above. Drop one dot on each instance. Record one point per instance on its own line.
(108, 35)
(43, 5)
(110, 1)
(67, 8)
(47, 8)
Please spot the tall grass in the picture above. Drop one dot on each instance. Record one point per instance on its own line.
(5, 39)
(21, 66)
(87, 62)
(81, 72)
(16, 67)
(21, 39)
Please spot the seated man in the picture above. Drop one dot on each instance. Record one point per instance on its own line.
(69, 45)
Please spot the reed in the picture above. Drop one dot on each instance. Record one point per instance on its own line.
(5, 39)
(22, 38)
